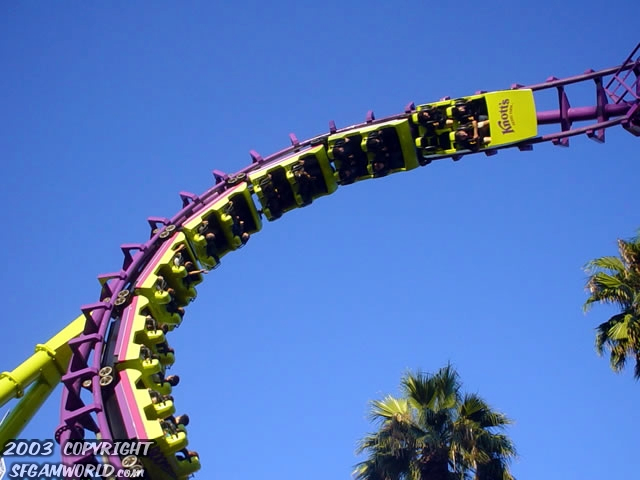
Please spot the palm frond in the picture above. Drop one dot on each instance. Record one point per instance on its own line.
(613, 264)
(618, 329)
(474, 408)
(420, 390)
(448, 386)
(495, 469)
(389, 407)
(607, 282)
(609, 289)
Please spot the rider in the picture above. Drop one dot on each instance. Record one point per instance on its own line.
(237, 229)
(272, 196)
(305, 182)
(473, 135)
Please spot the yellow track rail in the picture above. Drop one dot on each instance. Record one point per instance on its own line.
(34, 380)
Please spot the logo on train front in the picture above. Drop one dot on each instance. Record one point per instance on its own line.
(506, 123)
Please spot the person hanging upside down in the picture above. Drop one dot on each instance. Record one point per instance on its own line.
(237, 229)
(474, 135)
(305, 182)
(272, 196)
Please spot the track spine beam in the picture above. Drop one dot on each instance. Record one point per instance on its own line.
(76, 415)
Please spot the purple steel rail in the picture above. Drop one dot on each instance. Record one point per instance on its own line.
(78, 416)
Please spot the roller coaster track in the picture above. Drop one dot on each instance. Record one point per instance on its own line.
(76, 355)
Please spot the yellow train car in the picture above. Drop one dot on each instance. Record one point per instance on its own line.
(293, 182)
(168, 282)
(162, 408)
(223, 226)
(137, 401)
(479, 122)
(146, 329)
(141, 343)
(185, 466)
(165, 460)
(373, 151)
(179, 268)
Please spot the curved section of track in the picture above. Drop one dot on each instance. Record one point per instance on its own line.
(115, 385)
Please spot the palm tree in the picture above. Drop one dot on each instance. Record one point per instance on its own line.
(616, 281)
(434, 432)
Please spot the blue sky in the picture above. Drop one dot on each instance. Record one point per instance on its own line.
(110, 109)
